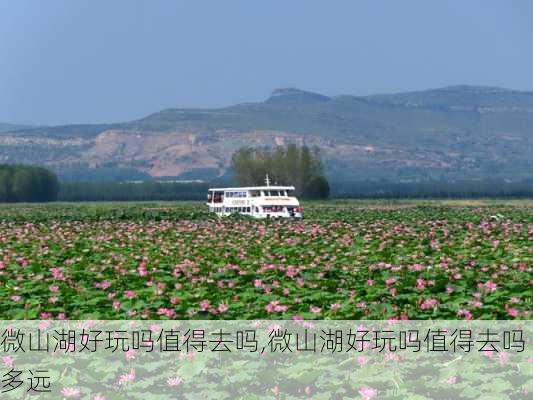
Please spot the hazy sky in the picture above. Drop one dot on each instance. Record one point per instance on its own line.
(103, 61)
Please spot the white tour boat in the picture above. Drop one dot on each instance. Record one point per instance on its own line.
(255, 201)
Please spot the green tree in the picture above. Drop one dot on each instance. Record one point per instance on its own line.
(27, 183)
(317, 188)
(291, 165)
(5, 184)
(23, 185)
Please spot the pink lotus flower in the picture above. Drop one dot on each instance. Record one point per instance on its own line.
(166, 311)
(513, 312)
(57, 274)
(130, 294)
(99, 397)
(8, 361)
(392, 357)
(175, 381)
(390, 281)
(368, 393)
(71, 392)
(204, 305)
(415, 267)
(102, 285)
(503, 357)
(291, 271)
(141, 269)
(475, 304)
(126, 378)
(274, 306)
(361, 305)
(315, 309)
(222, 308)
(452, 380)
(490, 286)
(429, 303)
(130, 354)
(464, 313)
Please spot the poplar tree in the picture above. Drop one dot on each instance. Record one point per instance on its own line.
(291, 165)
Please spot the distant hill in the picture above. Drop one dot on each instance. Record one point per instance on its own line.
(11, 127)
(455, 132)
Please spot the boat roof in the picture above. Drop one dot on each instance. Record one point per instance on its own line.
(253, 188)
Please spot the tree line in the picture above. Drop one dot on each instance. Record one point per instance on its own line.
(152, 191)
(22, 183)
(142, 191)
(35, 184)
(300, 167)
(458, 189)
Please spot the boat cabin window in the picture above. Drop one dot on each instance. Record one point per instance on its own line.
(236, 209)
(217, 197)
(236, 194)
(255, 193)
(273, 209)
(272, 193)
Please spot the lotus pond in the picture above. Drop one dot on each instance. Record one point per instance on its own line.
(345, 260)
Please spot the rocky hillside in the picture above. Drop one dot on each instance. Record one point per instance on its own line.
(453, 132)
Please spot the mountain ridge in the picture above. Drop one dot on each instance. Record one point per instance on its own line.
(448, 133)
